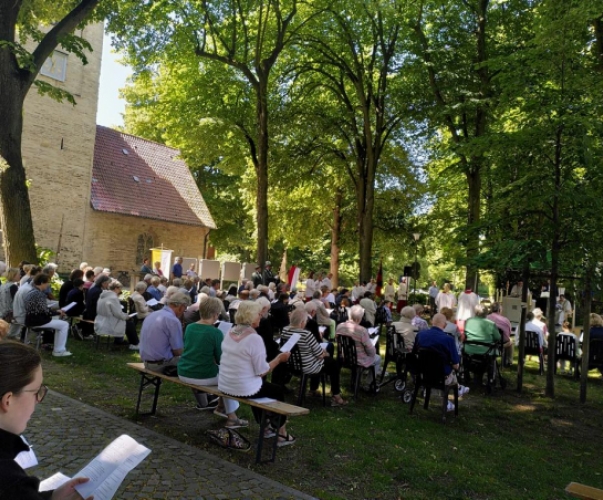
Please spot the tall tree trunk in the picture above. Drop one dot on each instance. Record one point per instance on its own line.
(17, 225)
(365, 199)
(586, 329)
(335, 236)
(262, 170)
(474, 182)
(522, 327)
(555, 250)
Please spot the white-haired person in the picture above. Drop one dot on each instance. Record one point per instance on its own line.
(322, 316)
(365, 350)
(112, 320)
(418, 322)
(140, 304)
(243, 368)
(504, 327)
(405, 329)
(200, 360)
(315, 359)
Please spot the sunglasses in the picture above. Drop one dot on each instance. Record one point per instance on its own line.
(40, 393)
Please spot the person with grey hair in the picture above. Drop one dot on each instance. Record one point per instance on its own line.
(153, 289)
(405, 330)
(369, 306)
(112, 320)
(50, 270)
(200, 361)
(100, 284)
(140, 304)
(322, 316)
(243, 368)
(504, 326)
(365, 350)
(480, 329)
(315, 359)
(161, 339)
(418, 322)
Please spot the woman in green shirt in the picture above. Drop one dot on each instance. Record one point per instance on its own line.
(200, 360)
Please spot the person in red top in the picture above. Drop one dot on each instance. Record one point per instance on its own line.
(504, 325)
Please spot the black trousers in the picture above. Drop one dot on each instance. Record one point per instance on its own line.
(273, 391)
(332, 369)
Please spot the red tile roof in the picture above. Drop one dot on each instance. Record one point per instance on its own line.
(133, 176)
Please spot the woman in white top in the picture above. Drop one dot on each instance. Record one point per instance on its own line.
(243, 365)
(310, 286)
(445, 298)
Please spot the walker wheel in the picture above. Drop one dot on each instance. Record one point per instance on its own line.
(400, 385)
(407, 397)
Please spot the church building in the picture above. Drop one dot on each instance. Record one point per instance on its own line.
(99, 195)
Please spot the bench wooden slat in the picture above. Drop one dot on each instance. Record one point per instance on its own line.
(585, 492)
(276, 407)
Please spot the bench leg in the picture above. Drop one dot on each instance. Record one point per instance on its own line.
(145, 381)
(263, 422)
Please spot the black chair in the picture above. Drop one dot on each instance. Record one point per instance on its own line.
(429, 370)
(394, 351)
(486, 362)
(595, 356)
(348, 358)
(533, 348)
(296, 369)
(566, 350)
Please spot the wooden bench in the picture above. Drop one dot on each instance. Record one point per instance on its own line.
(151, 378)
(585, 492)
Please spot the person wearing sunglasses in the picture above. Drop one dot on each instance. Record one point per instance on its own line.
(21, 389)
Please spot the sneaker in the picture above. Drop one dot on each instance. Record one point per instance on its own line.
(236, 423)
(463, 390)
(134, 347)
(63, 354)
(450, 406)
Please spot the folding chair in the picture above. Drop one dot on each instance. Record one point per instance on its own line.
(348, 358)
(429, 370)
(533, 348)
(565, 350)
(296, 369)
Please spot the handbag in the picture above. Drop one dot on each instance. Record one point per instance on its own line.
(229, 439)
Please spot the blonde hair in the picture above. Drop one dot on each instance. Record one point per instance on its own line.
(446, 311)
(210, 307)
(12, 274)
(247, 312)
(595, 320)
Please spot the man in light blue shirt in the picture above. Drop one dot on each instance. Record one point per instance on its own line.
(161, 339)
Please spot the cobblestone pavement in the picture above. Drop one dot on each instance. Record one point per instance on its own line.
(66, 434)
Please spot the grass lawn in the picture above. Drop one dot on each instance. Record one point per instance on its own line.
(503, 446)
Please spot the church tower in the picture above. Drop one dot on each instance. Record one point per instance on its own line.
(58, 150)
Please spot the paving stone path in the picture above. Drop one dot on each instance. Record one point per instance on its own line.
(66, 434)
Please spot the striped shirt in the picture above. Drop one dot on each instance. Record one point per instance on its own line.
(309, 348)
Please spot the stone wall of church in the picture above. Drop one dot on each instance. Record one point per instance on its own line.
(120, 241)
(58, 149)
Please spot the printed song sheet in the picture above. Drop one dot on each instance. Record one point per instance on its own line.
(69, 306)
(108, 470)
(291, 342)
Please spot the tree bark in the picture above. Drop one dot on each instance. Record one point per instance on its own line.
(262, 170)
(474, 183)
(15, 82)
(586, 329)
(522, 327)
(335, 236)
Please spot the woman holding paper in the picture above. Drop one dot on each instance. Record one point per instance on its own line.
(315, 359)
(111, 320)
(243, 366)
(20, 390)
(200, 360)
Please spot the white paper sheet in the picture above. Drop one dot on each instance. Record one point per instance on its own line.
(373, 330)
(108, 470)
(132, 315)
(291, 342)
(374, 340)
(324, 345)
(27, 459)
(53, 482)
(322, 329)
(224, 327)
(69, 306)
(152, 302)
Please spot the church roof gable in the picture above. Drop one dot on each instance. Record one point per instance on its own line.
(134, 176)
